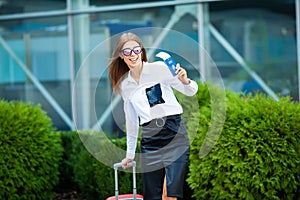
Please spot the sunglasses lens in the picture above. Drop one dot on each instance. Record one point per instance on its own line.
(137, 50)
(127, 52)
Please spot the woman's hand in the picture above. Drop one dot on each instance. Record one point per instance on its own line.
(182, 75)
(126, 163)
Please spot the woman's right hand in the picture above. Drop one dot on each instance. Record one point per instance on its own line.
(126, 163)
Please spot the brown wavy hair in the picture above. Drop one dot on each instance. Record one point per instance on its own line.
(117, 67)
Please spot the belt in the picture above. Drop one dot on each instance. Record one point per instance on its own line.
(159, 122)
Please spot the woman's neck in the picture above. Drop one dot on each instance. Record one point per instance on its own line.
(136, 73)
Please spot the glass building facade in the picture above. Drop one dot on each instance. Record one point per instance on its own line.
(55, 52)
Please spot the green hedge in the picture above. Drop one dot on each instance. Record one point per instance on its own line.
(257, 156)
(30, 151)
(66, 169)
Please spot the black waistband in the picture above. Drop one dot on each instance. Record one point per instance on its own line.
(160, 122)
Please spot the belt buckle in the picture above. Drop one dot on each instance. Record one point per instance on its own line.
(160, 122)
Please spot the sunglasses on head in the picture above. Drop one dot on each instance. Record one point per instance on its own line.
(127, 52)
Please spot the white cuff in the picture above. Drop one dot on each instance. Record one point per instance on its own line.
(130, 155)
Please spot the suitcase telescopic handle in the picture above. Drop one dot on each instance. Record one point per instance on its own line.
(116, 167)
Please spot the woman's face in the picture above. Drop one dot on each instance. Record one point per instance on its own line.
(132, 54)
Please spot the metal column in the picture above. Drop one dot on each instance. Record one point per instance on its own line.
(71, 53)
(203, 35)
(81, 41)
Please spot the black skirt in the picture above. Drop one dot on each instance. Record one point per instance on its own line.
(164, 153)
(164, 140)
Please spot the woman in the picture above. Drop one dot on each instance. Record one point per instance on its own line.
(149, 101)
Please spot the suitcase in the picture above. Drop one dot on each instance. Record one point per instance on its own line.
(133, 196)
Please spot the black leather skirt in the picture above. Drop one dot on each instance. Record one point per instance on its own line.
(164, 153)
(164, 140)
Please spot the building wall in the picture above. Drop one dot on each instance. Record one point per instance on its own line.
(63, 51)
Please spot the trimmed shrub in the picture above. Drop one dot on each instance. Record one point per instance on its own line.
(198, 109)
(30, 152)
(256, 156)
(66, 172)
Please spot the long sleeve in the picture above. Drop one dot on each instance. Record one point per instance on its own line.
(189, 90)
(132, 128)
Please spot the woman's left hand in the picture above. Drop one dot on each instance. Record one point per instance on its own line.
(126, 163)
(182, 75)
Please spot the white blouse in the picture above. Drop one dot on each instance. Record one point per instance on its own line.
(138, 105)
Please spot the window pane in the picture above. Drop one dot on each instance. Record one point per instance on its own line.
(40, 52)
(264, 35)
(27, 6)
